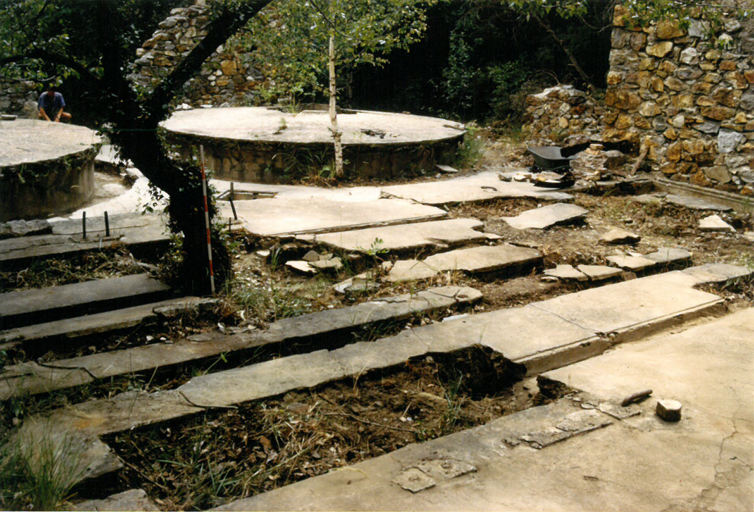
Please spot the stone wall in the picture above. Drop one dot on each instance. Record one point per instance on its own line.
(686, 99)
(562, 115)
(19, 98)
(226, 78)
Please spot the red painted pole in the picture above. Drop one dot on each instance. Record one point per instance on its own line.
(206, 222)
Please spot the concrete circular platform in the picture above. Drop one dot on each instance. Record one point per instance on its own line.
(45, 168)
(258, 144)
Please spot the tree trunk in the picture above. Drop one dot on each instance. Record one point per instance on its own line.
(336, 133)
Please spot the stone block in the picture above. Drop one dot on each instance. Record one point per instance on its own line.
(660, 50)
(669, 410)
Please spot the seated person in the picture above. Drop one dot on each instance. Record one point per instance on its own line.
(51, 105)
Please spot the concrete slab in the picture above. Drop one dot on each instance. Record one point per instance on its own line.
(670, 256)
(128, 229)
(35, 306)
(714, 223)
(619, 236)
(640, 463)
(630, 304)
(544, 329)
(485, 258)
(480, 187)
(547, 216)
(32, 378)
(99, 323)
(282, 215)
(599, 272)
(20, 141)
(695, 203)
(631, 262)
(406, 237)
(133, 499)
(566, 273)
(410, 270)
(719, 273)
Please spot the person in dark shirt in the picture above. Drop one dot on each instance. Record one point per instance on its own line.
(51, 105)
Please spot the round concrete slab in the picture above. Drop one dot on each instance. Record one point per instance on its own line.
(261, 124)
(24, 141)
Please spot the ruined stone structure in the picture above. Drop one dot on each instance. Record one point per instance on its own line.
(563, 115)
(685, 98)
(226, 78)
(19, 98)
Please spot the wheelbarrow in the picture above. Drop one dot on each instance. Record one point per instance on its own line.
(550, 158)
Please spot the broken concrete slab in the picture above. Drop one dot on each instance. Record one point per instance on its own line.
(631, 262)
(410, 270)
(406, 237)
(719, 273)
(481, 187)
(630, 304)
(485, 259)
(33, 378)
(78, 327)
(327, 265)
(576, 423)
(27, 307)
(566, 273)
(16, 228)
(289, 215)
(302, 267)
(66, 237)
(133, 499)
(714, 223)
(599, 272)
(547, 216)
(695, 203)
(670, 256)
(586, 471)
(619, 236)
(473, 260)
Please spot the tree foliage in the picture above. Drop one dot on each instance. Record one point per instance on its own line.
(290, 39)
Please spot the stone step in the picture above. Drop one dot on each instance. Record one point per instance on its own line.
(408, 237)
(98, 323)
(547, 216)
(543, 336)
(27, 307)
(475, 260)
(34, 378)
(66, 238)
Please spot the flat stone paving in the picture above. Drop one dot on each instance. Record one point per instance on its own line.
(280, 216)
(32, 378)
(405, 237)
(480, 187)
(25, 141)
(547, 216)
(261, 124)
(473, 260)
(27, 307)
(589, 459)
(223, 389)
(129, 229)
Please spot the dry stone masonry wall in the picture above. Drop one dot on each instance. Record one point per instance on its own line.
(224, 79)
(562, 115)
(19, 98)
(686, 98)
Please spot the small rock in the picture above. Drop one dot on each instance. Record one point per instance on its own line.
(619, 236)
(714, 223)
(301, 266)
(749, 236)
(329, 264)
(311, 256)
(669, 410)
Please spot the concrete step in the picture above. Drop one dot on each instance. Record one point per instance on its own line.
(98, 323)
(584, 452)
(67, 238)
(34, 378)
(542, 336)
(28, 307)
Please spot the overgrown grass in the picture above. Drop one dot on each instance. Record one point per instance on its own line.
(471, 149)
(275, 301)
(38, 473)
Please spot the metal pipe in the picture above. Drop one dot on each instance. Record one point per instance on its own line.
(83, 224)
(107, 225)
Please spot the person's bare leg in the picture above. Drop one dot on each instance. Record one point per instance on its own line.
(65, 116)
